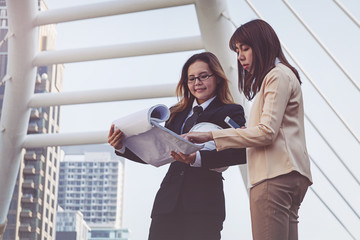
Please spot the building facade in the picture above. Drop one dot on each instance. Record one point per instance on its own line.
(93, 183)
(109, 234)
(70, 225)
(32, 212)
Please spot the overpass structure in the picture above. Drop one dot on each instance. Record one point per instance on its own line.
(216, 28)
(23, 60)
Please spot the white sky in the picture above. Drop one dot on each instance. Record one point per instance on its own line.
(335, 30)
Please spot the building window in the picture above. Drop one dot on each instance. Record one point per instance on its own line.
(99, 234)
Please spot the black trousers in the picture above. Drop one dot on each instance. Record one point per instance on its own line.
(181, 225)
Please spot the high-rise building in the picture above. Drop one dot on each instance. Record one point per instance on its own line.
(32, 212)
(109, 234)
(92, 182)
(70, 225)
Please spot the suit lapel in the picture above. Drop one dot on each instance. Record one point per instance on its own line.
(209, 111)
(177, 123)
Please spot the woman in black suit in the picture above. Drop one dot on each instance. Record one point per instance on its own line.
(190, 203)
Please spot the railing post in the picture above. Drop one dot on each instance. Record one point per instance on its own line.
(216, 31)
(19, 87)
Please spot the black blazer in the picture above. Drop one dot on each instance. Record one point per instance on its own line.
(199, 188)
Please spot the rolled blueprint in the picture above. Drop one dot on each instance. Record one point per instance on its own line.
(150, 141)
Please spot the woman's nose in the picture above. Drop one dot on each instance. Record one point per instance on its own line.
(198, 82)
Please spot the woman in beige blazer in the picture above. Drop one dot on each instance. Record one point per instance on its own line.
(278, 163)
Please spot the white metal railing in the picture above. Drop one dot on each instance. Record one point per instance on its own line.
(332, 150)
(64, 139)
(347, 12)
(332, 213)
(104, 9)
(322, 95)
(19, 98)
(334, 187)
(322, 45)
(332, 108)
(215, 30)
(118, 51)
(102, 95)
(22, 47)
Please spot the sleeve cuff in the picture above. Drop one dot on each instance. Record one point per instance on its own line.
(121, 150)
(197, 162)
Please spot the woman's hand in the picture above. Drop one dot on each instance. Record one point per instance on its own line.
(185, 158)
(199, 137)
(116, 138)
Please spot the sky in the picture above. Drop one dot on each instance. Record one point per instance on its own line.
(333, 28)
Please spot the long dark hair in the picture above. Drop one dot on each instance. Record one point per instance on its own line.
(266, 47)
(182, 90)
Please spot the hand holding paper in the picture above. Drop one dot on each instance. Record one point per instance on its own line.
(185, 158)
(116, 137)
(150, 141)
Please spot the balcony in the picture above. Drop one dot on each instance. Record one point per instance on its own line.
(27, 198)
(42, 158)
(45, 116)
(35, 114)
(29, 169)
(28, 183)
(38, 201)
(40, 172)
(30, 155)
(42, 130)
(33, 128)
(25, 227)
(26, 213)
(40, 187)
(33, 156)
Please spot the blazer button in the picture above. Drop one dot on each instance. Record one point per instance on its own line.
(182, 173)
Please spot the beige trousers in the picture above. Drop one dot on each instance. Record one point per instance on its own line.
(274, 206)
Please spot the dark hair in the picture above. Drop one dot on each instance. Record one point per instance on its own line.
(266, 47)
(182, 90)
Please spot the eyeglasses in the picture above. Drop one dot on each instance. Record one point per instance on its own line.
(202, 77)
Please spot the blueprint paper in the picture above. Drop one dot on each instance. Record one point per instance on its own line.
(150, 141)
(141, 121)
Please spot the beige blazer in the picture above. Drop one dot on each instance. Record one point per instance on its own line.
(275, 137)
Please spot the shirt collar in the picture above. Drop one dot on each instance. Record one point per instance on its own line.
(205, 104)
(277, 61)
